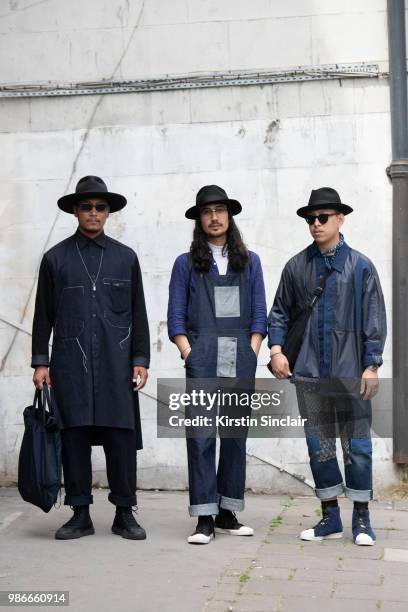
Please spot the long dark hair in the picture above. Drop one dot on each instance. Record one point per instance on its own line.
(200, 252)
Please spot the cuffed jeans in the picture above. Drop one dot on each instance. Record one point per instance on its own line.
(209, 488)
(350, 418)
(119, 446)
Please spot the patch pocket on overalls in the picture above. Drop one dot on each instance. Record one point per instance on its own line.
(227, 357)
(226, 301)
(119, 293)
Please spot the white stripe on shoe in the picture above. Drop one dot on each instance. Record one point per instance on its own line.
(200, 538)
(309, 535)
(244, 530)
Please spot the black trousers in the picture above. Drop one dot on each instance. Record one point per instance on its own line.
(119, 446)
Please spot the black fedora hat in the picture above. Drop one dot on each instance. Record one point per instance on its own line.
(91, 187)
(212, 194)
(325, 197)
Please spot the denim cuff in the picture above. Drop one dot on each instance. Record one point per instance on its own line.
(358, 495)
(203, 509)
(176, 331)
(78, 500)
(257, 329)
(276, 336)
(228, 503)
(330, 492)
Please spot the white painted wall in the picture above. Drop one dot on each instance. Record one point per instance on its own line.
(267, 146)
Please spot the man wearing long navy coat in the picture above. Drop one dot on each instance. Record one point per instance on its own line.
(90, 295)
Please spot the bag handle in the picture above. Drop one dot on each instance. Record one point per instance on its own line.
(48, 401)
(37, 399)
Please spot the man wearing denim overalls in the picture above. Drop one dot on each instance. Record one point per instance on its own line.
(336, 370)
(217, 318)
(90, 295)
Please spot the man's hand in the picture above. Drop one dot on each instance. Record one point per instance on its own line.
(41, 375)
(139, 373)
(280, 365)
(369, 384)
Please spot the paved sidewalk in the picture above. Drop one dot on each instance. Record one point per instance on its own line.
(272, 571)
(288, 575)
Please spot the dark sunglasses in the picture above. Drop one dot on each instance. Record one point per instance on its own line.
(323, 218)
(87, 207)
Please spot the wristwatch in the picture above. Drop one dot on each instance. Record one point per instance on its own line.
(373, 367)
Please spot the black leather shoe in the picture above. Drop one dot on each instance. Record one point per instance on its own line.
(78, 526)
(126, 525)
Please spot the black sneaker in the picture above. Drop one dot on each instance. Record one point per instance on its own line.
(126, 525)
(227, 522)
(78, 526)
(204, 532)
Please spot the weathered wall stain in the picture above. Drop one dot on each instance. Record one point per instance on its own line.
(271, 133)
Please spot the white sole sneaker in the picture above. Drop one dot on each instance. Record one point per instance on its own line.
(242, 531)
(200, 538)
(308, 534)
(363, 539)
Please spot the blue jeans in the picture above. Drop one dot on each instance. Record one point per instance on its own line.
(210, 488)
(351, 419)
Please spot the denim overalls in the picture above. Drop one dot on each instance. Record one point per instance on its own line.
(218, 327)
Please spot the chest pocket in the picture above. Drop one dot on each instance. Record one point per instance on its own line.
(119, 292)
(226, 301)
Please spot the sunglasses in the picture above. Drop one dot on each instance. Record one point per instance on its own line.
(218, 210)
(323, 218)
(87, 207)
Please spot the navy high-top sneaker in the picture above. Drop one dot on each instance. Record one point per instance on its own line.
(328, 528)
(363, 535)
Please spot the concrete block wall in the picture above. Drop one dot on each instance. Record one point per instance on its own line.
(267, 145)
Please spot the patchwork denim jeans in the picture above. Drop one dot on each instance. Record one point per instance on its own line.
(349, 418)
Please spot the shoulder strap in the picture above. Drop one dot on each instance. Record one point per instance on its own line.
(320, 288)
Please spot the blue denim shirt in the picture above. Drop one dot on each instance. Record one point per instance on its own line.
(326, 303)
(183, 284)
(347, 331)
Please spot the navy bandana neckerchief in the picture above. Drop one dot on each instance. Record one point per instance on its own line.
(329, 255)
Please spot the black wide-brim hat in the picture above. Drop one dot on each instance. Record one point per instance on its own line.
(91, 187)
(212, 194)
(325, 197)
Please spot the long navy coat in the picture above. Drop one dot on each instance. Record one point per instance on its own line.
(98, 335)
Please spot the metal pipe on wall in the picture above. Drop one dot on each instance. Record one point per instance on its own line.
(398, 173)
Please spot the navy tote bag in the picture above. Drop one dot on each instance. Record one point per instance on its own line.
(39, 464)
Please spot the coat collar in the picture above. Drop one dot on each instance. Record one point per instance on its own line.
(339, 260)
(84, 241)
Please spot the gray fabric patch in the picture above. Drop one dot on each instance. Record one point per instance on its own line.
(327, 449)
(226, 301)
(227, 357)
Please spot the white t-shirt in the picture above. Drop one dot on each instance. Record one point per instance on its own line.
(220, 259)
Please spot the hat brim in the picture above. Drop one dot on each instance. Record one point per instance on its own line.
(306, 210)
(234, 207)
(115, 200)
